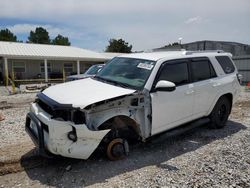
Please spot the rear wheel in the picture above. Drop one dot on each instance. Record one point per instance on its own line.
(220, 113)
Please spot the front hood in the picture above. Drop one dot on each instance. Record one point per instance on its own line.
(82, 93)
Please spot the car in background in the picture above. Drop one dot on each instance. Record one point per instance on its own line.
(92, 71)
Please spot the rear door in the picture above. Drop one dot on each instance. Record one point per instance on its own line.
(205, 84)
(170, 109)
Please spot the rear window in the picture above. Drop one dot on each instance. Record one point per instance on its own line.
(226, 64)
(202, 70)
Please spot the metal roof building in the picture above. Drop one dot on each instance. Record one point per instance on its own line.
(27, 61)
(44, 51)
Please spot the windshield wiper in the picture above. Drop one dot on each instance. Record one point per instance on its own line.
(101, 78)
(120, 84)
(106, 80)
(113, 82)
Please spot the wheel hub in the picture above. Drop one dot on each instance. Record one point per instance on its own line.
(117, 149)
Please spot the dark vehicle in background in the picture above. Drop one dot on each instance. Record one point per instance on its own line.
(54, 75)
(92, 71)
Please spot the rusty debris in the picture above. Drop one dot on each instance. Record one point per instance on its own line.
(1, 117)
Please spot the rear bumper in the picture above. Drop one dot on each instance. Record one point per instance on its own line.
(51, 135)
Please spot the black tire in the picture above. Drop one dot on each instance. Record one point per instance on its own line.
(220, 113)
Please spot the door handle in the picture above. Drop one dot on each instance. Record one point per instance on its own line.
(189, 92)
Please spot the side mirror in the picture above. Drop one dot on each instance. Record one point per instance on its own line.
(163, 85)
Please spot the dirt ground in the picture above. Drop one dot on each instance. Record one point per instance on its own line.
(202, 157)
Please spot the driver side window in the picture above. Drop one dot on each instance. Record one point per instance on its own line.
(175, 72)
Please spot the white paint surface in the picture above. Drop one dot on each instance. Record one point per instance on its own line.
(82, 93)
(58, 143)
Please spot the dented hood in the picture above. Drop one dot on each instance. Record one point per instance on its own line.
(82, 93)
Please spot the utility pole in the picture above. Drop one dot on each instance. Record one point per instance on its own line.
(180, 41)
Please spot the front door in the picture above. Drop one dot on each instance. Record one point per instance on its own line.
(170, 109)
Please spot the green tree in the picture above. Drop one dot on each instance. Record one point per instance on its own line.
(118, 45)
(39, 36)
(61, 40)
(7, 35)
(173, 44)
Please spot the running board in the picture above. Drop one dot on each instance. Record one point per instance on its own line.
(184, 128)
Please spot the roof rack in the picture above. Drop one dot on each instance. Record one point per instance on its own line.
(202, 51)
(165, 50)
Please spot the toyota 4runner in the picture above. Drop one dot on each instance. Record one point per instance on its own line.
(134, 97)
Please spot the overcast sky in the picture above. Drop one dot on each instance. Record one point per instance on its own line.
(145, 24)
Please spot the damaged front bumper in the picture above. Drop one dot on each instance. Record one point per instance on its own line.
(52, 135)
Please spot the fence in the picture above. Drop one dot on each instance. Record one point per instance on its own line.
(243, 65)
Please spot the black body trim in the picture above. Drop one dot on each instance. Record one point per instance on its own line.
(53, 104)
(184, 60)
(38, 140)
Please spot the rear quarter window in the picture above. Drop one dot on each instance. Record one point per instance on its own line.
(202, 70)
(226, 64)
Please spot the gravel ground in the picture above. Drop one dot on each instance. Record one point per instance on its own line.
(199, 158)
(14, 108)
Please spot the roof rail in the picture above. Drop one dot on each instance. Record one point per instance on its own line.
(202, 51)
(166, 50)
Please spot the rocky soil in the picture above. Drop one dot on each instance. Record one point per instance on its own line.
(14, 109)
(202, 157)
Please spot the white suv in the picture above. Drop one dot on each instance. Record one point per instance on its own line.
(133, 97)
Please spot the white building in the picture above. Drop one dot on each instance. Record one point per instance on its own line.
(40, 62)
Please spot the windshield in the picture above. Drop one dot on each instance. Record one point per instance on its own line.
(127, 72)
(94, 69)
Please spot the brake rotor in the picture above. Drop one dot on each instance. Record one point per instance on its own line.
(117, 149)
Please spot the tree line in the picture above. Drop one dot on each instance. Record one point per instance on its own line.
(41, 36)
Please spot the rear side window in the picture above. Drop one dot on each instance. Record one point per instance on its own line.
(176, 73)
(202, 70)
(226, 64)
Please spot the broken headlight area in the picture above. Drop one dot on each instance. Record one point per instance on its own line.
(63, 114)
(75, 116)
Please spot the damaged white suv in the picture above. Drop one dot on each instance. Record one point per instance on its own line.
(132, 98)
